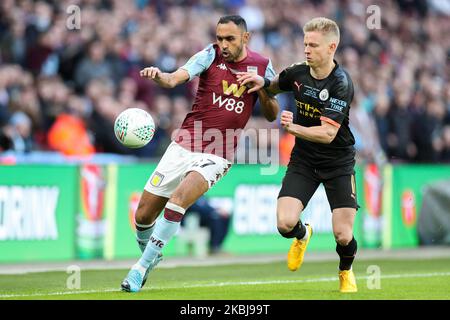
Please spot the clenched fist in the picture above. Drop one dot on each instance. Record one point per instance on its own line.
(250, 80)
(286, 119)
(150, 72)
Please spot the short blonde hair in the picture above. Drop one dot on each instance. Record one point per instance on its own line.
(324, 25)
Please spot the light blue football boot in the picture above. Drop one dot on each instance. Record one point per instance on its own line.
(158, 260)
(134, 280)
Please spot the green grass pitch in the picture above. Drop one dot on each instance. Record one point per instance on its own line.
(399, 279)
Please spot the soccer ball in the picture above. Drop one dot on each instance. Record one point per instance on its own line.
(134, 128)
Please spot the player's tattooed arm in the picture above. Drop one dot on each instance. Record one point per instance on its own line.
(165, 80)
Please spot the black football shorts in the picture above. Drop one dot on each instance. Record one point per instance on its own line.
(301, 182)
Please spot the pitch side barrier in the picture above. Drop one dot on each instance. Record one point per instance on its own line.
(62, 212)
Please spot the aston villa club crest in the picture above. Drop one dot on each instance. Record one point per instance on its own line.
(323, 95)
(156, 179)
(252, 69)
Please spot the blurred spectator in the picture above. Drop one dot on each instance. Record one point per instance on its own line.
(253, 15)
(18, 132)
(428, 132)
(381, 120)
(446, 144)
(364, 129)
(93, 66)
(400, 136)
(106, 109)
(69, 136)
(5, 141)
(14, 44)
(217, 220)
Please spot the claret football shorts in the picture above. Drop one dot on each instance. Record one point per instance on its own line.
(177, 162)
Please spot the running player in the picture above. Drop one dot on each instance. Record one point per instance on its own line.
(203, 150)
(324, 145)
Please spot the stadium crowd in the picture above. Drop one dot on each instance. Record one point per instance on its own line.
(62, 87)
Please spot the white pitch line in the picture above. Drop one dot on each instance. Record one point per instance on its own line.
(223, 284)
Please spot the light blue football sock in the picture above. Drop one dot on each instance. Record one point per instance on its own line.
(164, 231)
(143, 235)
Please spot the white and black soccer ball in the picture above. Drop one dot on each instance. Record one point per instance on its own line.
(134, 128)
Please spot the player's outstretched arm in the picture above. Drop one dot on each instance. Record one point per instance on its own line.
(325, 133)
(165, 80)
(256, 82)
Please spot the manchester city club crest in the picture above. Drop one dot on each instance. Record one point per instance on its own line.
(323, 95)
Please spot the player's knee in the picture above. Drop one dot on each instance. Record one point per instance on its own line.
(285, 227)
(343, 238)
(141, 218)
(145, 214)
(178, 199)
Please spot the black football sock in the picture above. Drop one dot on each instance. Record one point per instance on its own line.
(346, 254)
(298, 231)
